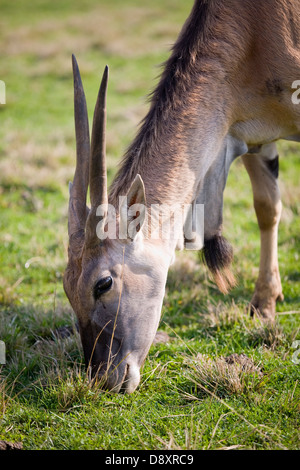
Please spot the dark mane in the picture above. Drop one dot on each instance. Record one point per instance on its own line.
(180, 72)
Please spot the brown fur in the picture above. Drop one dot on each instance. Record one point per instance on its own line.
(225, 91)
(166, 119)
(226, 41)
(213, 41)
(230, 37)
(218, 255)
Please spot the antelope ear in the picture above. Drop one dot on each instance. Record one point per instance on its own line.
(133, 210)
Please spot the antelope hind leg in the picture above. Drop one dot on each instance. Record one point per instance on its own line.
(262, 168)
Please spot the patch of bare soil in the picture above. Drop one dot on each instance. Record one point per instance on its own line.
(244, 361)
(5, 445)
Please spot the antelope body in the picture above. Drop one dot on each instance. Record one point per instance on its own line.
(226, 91)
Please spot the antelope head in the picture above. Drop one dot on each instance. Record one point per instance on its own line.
(115, 286)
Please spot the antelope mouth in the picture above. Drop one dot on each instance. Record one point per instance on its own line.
(117, 380)
(123, 388)
(131, 379)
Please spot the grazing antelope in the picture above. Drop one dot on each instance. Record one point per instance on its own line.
(225, 92)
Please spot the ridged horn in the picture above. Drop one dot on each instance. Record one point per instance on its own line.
(97, 172)
(78, 190)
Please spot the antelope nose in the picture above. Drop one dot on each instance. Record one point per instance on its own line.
(132, 378)
(120, 379)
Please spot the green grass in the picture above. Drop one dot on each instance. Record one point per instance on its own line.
(46, 401)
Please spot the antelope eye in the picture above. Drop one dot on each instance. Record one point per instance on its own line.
(102, 286)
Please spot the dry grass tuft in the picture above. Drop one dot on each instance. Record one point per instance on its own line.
(7, 393)
(224, 376)
(223, 316)
(3, 395)
(75, 389)
(270, 335)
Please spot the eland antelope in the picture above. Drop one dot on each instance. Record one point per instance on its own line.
(226, 91)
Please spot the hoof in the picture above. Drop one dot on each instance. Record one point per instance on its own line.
(264, 307)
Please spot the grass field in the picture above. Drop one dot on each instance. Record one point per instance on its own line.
(189, 397)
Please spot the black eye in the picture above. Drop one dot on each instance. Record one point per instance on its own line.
(102, 286)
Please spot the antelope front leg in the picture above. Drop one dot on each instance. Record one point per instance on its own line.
(263, 171)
